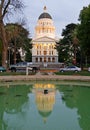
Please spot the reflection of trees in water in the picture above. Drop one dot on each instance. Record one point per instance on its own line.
(14, 98)
(11, 99)
(78, 97)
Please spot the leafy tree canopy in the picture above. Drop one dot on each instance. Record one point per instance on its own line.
(84, 29)
(67, 45)
(67, 33)
(17, 37)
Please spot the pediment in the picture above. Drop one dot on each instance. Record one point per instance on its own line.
(45, 39)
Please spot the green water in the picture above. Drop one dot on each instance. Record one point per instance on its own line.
(27, 107)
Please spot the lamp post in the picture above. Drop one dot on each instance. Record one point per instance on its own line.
(9, 56)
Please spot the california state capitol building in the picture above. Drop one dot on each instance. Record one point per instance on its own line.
(44, 41)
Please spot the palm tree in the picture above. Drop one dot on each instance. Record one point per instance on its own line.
(75, 45)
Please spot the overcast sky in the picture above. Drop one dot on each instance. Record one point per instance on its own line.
(63, 12)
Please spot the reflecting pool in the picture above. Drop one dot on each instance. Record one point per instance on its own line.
(45, 106)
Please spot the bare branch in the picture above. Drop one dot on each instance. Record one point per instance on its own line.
(6, 7)
(17, 4)
(22, 21)
(9, 6)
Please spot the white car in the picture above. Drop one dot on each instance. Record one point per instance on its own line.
(89, 69)
(70, 68)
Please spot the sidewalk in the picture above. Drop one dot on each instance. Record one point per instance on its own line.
(40, 77)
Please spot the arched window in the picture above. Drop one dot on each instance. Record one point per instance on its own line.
(45, 52)
(44, 59)
(49, 60)
(36, 59)
(53, 59)
(40, 59)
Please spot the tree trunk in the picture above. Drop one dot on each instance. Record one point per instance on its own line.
(75, 55)
(4, 44)
(14, 56)
(15, 51)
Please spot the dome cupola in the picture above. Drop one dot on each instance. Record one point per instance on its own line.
(45, 14)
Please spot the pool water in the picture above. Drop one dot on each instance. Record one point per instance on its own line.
(44, 106)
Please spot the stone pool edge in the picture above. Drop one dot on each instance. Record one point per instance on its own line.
(44, 78)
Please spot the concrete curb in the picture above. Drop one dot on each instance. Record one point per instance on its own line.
(43, 77)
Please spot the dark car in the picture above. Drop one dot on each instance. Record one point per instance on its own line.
(2, 69)
(21, 66)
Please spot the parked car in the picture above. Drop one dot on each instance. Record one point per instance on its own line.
(21, 67)
(89, 69)
(2, 69)
(70, 68)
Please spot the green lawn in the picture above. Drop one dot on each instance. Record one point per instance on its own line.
(15, 73)
(82, 73)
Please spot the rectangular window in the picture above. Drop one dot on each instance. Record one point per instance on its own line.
(45, 52)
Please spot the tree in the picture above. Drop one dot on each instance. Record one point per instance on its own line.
(28, 47)
(0, 52)
(17, 38)
(68, 40)
(62, 50)
(6, 7)
(84, 31)
(76, 47)
(67, 46)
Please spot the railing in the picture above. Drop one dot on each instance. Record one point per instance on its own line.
(27, 70)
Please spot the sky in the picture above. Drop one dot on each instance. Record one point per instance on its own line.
(63, 12)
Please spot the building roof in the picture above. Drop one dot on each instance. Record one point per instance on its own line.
(44, 39)
(45, 15)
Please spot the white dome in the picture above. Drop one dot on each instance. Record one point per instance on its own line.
(45, 26)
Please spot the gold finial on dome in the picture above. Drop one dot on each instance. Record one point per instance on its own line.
(45, 8)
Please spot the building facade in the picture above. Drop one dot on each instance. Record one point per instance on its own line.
(43, 51)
